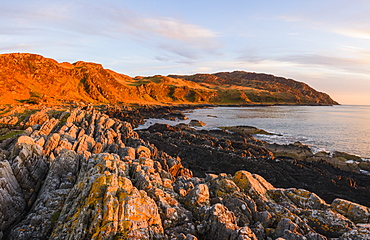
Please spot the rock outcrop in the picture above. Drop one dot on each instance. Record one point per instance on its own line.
(89, 176)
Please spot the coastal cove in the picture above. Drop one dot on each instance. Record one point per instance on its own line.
(332, 128)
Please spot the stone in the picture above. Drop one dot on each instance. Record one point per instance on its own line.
(44, 214)
(12, 200)
(143, 151)
(109, 206)
(197, 197)
(301, 198)
(295, 151)
(353, 211)
(29, 167)
(40, 117)
(26, 140)
(196, 123)
(286, 224)
(47, 127)
(252, 184)
(52, 143)
(327, 222)
(356, 234)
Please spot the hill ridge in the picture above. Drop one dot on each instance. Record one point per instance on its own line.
(32, 78)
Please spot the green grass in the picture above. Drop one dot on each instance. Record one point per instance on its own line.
(4, 112)
(11, 134)
(55, 217)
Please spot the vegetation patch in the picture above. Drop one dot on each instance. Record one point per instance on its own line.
(11, 134)
(23, 116)
(35, 98)
(55, 217)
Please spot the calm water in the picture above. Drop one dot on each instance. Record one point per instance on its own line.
(337, 128)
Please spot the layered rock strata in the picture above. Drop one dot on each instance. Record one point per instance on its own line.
(84, 175)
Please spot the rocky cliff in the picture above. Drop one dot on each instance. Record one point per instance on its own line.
(79, 174)
(30, 78)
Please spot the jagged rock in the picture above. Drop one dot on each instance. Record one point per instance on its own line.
(353, 211)
(44, 214)
(143, 151)
(52, 143)
(296, 151)
(327, 222)
(217, 222)
(197, 197)
(39, 118)
(253, 184)
(76, 116)
(84, 143)
(9, 120)
(196, 123)
(356, 234)
(299, 197)
(12, 201)
(287, 229)
(29, 167)
(47, 127)
(109, 206)
(364, 166)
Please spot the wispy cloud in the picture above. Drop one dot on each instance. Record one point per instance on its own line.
(84, 20)
(354, 33)
(355, 65)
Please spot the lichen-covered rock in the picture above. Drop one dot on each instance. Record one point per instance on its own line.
(327, 222)
(299, 197)
(105, 205)
(353, 211)
(197, 197)
(252, 184)
(356, 234)
(217, 222)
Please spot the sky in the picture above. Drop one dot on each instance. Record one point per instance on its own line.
(325, 44)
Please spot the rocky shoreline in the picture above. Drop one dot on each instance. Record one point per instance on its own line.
(84, 173)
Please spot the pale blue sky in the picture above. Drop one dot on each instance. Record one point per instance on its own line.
(325, 44)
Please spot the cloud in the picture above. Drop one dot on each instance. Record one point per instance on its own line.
(353, 33)
(171, 35)
(357, 65)
(84, 20)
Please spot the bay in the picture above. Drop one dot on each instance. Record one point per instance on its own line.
(332, 128)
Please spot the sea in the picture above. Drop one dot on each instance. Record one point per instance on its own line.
(344, 128)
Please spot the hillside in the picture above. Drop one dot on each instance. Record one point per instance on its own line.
(31, 78)
(259, 87)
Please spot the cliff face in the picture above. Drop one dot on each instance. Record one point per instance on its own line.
(80, 174)
(34, 79)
